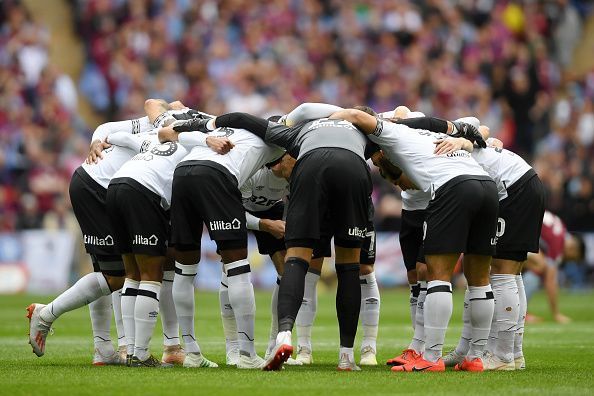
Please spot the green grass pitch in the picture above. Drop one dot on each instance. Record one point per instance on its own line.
(560, 358)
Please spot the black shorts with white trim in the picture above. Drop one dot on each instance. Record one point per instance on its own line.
(206, 192)
(462, 217)
(520, 218)
(267, 243)
(330, 182)
(88, 203)
(411, 238)
(140, 223)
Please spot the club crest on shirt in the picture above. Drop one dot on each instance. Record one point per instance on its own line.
(165, 149)
(222, 132)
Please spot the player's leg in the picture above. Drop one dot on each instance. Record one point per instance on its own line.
(447, 233)
(146, 307)
(278, 259)
(506, 314)
(477, 261)
(116, 302)
(411, 244)
(241, 298)
(308, 310)
(172, 350)
(370, 299)
(87, 289)
(129, 293)
(104, 354)
(186, 236)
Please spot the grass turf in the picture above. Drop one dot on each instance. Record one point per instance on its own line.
(560, 358)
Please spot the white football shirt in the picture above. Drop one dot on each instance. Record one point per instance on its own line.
(504, 167)
(261, 191)
(412, 151)
(249, 154)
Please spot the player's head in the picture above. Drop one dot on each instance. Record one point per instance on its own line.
(283, 166)
(366, 109)
(401, 112)
(274, 118)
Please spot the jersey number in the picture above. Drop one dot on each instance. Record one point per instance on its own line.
(500, 227)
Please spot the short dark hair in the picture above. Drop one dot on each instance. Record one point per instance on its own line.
(366, 109)
(274, 118)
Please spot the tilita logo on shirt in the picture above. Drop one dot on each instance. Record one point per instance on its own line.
(220, 225)
(93, 240)
(142, 240)
(358, 232)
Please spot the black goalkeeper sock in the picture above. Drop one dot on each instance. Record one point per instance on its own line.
(290, 292)
(348, 302)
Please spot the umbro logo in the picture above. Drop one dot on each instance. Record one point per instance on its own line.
(153, 314)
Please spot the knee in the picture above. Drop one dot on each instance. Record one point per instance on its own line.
(114, 282)
(187, 257)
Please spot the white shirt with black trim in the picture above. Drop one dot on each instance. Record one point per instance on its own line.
(415, 199)
(412, 151)
(261, 191)
(153, 167)
(243, 161)
(504, 167)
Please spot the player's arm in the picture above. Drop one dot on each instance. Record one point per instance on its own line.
(220, 145)
(124, 139)
(451, 144)
(310, 111)
(274, 227)
(98, 143)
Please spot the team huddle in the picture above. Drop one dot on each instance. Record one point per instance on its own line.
(299, 181)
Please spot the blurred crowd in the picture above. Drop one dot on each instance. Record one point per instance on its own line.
(507, 62)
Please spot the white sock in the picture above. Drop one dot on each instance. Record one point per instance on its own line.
(519, 336)
(507, 310)
(307, 311)
(481, 313)
(274, 315)
(88, 288)
(183, 297)
(100, 311)
(346, 351)
(418, 341)
(227, 316)
(413, 301)
(116, 302)
(146, 311)
(168, 313)
(241, 297)
(370, 310)
(466, 336)
(129, 293)
(438, 310)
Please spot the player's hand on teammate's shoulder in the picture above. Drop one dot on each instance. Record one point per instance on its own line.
(95, 151)
(469, 132)
(274, 227)
(221, 145)
(167, 134)
(446, 146)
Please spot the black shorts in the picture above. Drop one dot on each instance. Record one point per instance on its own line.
(140, 223)
(520, 218)
(205, 192)
(411, 238)
(462, 217)
(267, 244)
(88, 203)
(333, 182)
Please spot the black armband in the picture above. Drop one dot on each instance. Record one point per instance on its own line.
(255, 125)
(432, 124)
